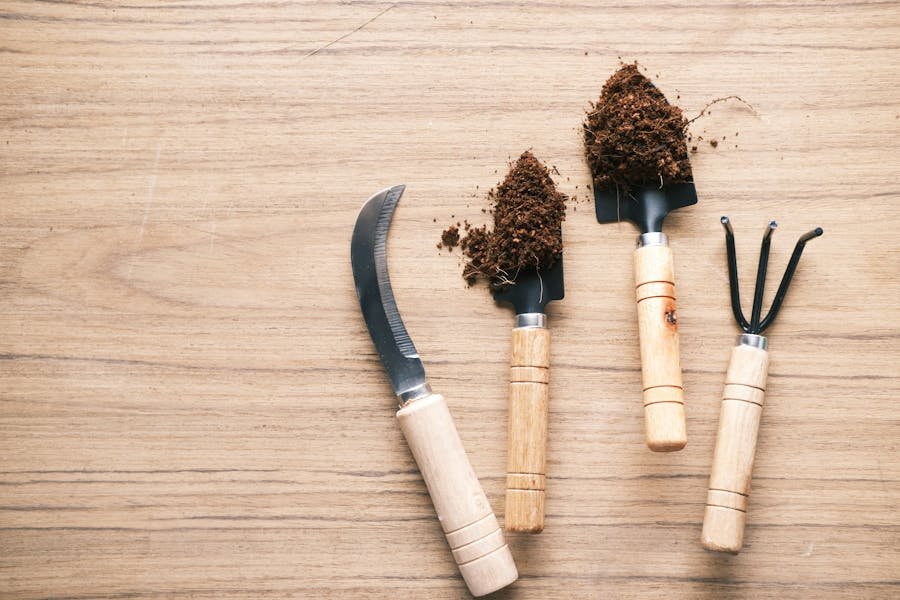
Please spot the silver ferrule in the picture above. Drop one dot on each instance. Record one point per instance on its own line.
(753, 340)
(531, 320)
(654, 238)
(420, 391)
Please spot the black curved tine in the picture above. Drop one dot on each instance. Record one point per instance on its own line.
(733, 276)
(788, 275)
(761, 276)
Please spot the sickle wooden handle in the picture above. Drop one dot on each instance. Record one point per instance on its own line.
(654, 280)
(729, 483)
(472, 530)
(526, 462)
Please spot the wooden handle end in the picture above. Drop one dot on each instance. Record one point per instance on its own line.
(483, 557)
(525, 502)
(723, 529)
(664, 426)
(490, 572)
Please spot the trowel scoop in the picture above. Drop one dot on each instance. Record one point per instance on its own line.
(529, 378)
(654, 279)
(645, 206)
(532, 290)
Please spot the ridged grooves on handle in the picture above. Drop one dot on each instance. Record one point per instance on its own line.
(526, 464)
(732, 468)
(475, 538)
(663, 392)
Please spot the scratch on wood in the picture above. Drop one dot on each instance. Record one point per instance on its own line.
(346, 35)
(151, 191)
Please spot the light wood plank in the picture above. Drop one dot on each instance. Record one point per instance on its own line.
(190, 405)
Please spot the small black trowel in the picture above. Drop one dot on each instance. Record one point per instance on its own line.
(654, 280)
(526, 463)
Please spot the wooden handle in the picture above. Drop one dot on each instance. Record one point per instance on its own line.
(526, 462)
(729, 483)
(472, 530)
(654, 280)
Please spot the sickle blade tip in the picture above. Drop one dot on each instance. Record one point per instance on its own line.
(368, 256)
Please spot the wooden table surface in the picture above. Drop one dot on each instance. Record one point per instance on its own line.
(190, 403)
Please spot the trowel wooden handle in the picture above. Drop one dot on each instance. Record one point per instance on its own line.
(654, 280)
(472, 530)
(729, 483)
(526, 462)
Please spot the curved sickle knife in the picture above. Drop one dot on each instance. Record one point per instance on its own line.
(469, 524)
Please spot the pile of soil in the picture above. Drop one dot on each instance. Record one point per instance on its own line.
(528, 213)
(633, 136)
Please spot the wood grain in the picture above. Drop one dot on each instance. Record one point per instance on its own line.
(190, 405)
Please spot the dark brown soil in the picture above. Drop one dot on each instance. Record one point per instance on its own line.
(527, 234)
(633, 136)
(450, 238)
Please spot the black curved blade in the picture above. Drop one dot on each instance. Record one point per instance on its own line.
(532, 289)
(646, 206)
(368, 257)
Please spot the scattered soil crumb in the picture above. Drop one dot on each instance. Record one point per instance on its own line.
(450, 237)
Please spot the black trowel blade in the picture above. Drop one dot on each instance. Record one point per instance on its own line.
(532, 289)
(644, 206)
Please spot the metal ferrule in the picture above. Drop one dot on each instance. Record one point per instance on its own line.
(654, 238)
(753, 340)
(420, 391)
(531, 320)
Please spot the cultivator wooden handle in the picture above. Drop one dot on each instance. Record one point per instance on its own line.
(663, 395)
(526, 464)
(729, 483)
(469, 524)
